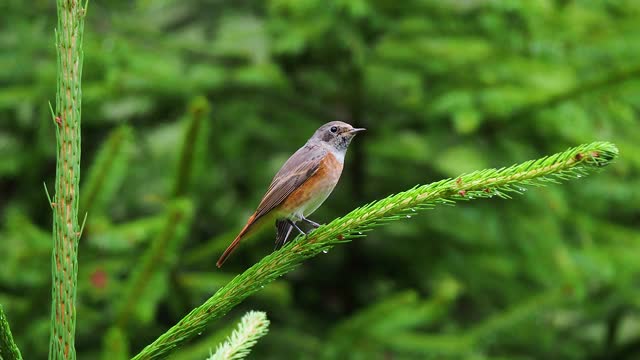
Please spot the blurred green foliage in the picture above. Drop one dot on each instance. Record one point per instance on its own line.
(189, 108)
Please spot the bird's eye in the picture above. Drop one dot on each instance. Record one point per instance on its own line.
(334, 129)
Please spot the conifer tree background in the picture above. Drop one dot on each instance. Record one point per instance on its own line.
(189, 108)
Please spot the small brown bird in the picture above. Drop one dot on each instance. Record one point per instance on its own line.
(303, 183)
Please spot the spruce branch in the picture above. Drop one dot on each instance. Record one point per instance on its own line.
(157, 260)
(612, 79)
(139, 295)
(197, 115)
(252, 327)
(8, 348)
(479, 337)
(107, 171)
(573, 163)
(115, 345)
(66, 230)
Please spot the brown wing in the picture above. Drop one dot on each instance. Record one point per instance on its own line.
(300, 167)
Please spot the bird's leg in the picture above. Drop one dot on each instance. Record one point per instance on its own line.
(283, 230)
(314, 224)
(296, 226)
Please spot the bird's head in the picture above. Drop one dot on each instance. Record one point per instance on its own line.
(336, 134)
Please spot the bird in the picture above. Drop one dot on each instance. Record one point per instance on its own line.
(303, 183)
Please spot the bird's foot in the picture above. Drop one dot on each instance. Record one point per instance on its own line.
(314, 224)
(295, 226)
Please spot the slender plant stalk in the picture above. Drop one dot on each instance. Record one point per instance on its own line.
(464, 344)
(107, 171)
(115, 345)
(611, 79)
(160, 255)
(8, 348)
(573, 163)
(66, 229)
(195, 125)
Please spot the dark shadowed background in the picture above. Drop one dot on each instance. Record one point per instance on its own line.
(190, 107)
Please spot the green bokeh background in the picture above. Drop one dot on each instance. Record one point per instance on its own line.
(190, 107)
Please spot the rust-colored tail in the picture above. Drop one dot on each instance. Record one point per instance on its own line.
(236, 241)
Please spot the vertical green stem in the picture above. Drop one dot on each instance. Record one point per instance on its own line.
(66, 230)
(197, 115)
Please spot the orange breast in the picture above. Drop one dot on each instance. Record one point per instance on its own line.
(313, 192)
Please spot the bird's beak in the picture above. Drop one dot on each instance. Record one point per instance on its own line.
(356, 130)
